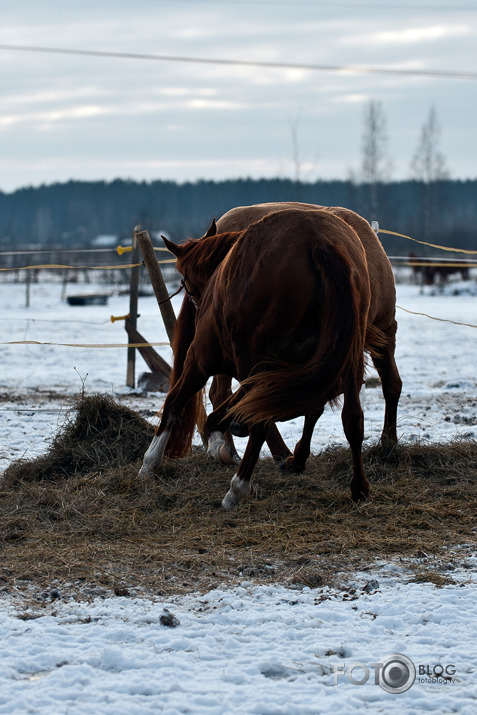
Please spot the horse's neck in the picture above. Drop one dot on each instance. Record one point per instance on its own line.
(217, 249)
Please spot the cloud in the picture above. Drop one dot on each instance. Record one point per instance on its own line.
(414, 35)
(50, 117)
(78, 116)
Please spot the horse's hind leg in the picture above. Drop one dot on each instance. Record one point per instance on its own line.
(216, 429)
(220, 444)
(220, 391)
(240, 484)
(353, 425)
(391, 384)
(296, 462)
(275, 442)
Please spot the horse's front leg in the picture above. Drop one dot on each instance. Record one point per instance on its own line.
(240, 484)
(189, 384)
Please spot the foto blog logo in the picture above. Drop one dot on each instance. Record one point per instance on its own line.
(395, 673)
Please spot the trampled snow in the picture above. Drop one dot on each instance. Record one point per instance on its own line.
(248, 649)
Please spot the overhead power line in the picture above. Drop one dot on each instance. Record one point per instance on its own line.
(332, 5)
(439, 74)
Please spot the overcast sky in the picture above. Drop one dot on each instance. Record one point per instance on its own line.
(89, 117)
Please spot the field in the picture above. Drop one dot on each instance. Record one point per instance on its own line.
(74, 444)
(78, 524)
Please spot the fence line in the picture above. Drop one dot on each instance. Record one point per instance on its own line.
(88, 268)
(119, 249)
(433, 317)
(424, 243)
(124, 249)
(86, 345)
(167, 344)
(403, 261)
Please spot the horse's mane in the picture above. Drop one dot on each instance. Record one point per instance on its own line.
(205, 254)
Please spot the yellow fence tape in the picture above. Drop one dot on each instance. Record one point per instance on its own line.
(424, 243)
(89, 268)
(85, 345)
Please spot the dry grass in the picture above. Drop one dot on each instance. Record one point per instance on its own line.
(80, 514)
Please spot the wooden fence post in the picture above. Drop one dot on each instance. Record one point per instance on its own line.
(162, 297)
(27, 286)
(133, 301)
(157, 282)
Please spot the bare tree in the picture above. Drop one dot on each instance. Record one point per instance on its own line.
(296, 149)
(429, 166)
(376, 166)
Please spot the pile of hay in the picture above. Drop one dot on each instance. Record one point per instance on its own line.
(99, 434)
(80, 513)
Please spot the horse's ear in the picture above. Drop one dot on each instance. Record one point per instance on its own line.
(212, 231)
(172, 247)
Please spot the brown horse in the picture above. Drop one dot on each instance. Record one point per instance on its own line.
(381, 316)
(305, 274)
(430, 271)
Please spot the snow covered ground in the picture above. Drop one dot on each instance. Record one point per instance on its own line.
(266, 649)
(436, 361)
(248, 649)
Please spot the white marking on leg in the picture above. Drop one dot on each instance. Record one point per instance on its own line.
(155, 453)
(221, 451)
(238, 489)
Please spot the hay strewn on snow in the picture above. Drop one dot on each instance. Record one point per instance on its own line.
(99, 434)
(81, 514)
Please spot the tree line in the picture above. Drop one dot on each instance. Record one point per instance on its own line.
(72, 214)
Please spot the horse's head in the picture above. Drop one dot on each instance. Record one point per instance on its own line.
(198, 258)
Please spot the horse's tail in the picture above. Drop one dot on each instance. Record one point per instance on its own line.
(180, 441)
(289, 391)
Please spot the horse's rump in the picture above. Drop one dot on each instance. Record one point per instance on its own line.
(293, 296)
(383, 294)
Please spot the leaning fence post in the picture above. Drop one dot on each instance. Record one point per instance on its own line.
(133, 301)
(157, 282)
(162, 297)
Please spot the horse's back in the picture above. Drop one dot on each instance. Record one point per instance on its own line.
(383, 293)
(271, 261)
(294, 291)
(240, 217)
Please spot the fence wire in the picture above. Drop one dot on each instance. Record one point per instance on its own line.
(121, 250)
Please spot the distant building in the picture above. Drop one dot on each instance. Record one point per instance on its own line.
(106, 241)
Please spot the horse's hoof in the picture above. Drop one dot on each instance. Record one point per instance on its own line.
(289, 465)
(238, 429)
(221, 451)
(230, 501)
(359, 497)
(388, 452)
(228, 455)
(238, 490)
